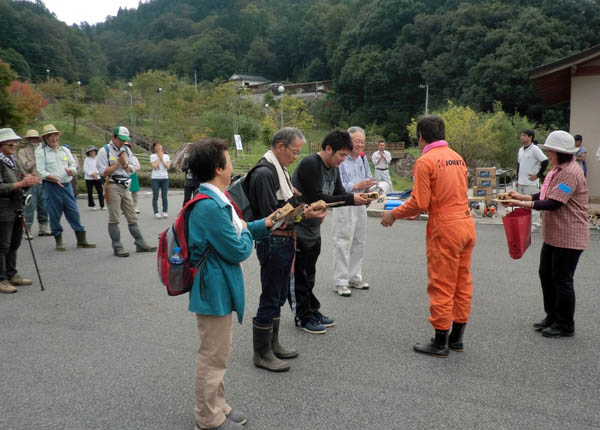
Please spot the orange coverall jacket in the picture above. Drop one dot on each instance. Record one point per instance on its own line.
(440, 189)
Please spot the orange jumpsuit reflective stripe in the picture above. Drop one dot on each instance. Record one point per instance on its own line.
(440, 189)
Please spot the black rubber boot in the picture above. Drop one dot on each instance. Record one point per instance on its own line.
(439, 346)
(262, 335)
(278, 350)
(60, 246)
(82, 241)
(455, 340)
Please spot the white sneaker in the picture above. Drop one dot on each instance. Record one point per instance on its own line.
(359, 285)
(157, 216)
(165, 215)
(137, 211)
(94, 208)
(342, 290)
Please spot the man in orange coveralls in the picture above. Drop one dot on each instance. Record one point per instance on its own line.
(440, 189)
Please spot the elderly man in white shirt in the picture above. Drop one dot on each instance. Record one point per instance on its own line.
(381, 161)
(349, 222)
(531, 166)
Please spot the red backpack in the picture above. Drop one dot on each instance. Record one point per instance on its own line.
(179, 278)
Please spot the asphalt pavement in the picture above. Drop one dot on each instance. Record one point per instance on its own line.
(104, 347)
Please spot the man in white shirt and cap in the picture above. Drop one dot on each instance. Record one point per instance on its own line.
(530, 169)
(381, 161)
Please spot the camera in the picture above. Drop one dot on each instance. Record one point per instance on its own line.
(23, 196)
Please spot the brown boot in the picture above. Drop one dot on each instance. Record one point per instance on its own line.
(263, 354)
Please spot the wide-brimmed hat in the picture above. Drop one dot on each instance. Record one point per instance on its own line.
(49, 129)
(7, 134)
(90, 149)
(32, 133)
(560, 141)
(122, 133)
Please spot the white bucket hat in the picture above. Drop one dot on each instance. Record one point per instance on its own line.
(560, 141)
(7, 134)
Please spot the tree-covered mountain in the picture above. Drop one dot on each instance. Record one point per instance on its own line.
(33, 41)
(378, 52)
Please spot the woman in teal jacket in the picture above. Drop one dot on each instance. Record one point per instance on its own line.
(218, 241)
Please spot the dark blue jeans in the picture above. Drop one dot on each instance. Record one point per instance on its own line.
(275, 255)
(61, 200)
(163, 186)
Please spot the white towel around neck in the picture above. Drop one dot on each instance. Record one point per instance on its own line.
(285, 184)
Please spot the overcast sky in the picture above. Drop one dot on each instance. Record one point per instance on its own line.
(92, 11)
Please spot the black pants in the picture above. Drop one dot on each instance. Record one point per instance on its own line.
(90, 184)
(11, 233)
(188, 193)
(557, 267)
(305, 269)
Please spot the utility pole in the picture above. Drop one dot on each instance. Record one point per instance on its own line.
(426, 86)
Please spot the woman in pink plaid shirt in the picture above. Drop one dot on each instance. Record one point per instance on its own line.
(563, 201)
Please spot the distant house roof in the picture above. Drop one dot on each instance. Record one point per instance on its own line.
(239, 77)
(553, 80)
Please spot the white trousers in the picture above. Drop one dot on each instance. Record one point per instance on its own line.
(349, 235)
(384, 175)
(536, 217)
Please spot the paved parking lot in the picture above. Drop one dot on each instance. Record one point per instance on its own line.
(104, 347)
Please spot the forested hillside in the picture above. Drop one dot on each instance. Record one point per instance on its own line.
(377, 52)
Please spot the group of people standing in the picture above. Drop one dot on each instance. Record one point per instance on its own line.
(338, 175)
(40, 179)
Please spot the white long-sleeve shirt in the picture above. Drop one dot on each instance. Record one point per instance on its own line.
(381, 162)
(89, 168)
(51, 162)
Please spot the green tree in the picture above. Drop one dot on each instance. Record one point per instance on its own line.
(9, 116)
(75, 110)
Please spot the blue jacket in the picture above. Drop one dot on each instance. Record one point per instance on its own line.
(223, 286)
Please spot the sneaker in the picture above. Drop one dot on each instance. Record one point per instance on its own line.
(157, 216)
(145, 248)
(137, 211)
(28, 235)
(313, 326)
(227, 425)
(103, 208)
(325, 321)
(342, 290)
(165, 215)
(19, 281)
(360, 285)
(6, 288)
(237, 417)
(120, 252)
(94, 208)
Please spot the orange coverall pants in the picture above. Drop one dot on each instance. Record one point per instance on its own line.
(449, 286)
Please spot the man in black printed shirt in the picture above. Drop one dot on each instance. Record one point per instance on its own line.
(317, 178)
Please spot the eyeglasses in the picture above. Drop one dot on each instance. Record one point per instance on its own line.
(296, 153)
(11, 143)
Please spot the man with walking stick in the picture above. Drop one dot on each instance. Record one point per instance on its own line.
(13, 184)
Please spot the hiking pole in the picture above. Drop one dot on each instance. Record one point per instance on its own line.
(26, 229)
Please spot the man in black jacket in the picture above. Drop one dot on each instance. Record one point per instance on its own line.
(13, 183)
(317, 178)
(268, 188)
